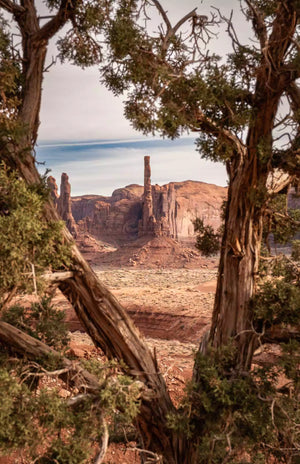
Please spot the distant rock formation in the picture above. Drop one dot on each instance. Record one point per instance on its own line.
(63, 202)
(53, 189)
(159, 208)
(146, 225)
(152, 210)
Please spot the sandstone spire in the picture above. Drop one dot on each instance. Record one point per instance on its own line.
(64, 204)
(53, 189)
(148, 220)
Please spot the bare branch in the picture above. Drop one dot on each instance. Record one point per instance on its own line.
(11, 7)
(163, 14)
(25, 345)
(277, 181)
(104, 442)
(8, 298)
(190, 15)
(52, 63)
(259, 24)
(56, 277)
(64, 13)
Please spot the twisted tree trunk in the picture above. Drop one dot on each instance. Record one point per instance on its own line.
(104, 319)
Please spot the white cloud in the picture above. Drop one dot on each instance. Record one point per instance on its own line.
(76, 106)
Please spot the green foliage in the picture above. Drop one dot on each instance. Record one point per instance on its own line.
(41, 320)
(34, 415)
(10, 80)
(37, 418)
(296, 250)
(17, 428)
(278, 302)
(285, 222)
(238, 416)
(229, 414)
(207, 241)
(232, 414)
(47, 427)
(29, 243)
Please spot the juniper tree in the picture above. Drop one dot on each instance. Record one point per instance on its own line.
(22, 66)
(173, 85)
(35, 361)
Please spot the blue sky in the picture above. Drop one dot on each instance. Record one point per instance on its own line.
(99, 167)
(83, 130)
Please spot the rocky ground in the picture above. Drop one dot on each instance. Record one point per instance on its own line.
(169, 291)
(172, 308)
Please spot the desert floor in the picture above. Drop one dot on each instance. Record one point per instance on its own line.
(172, 308)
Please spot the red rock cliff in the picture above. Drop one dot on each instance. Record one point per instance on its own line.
(134, 211)
(63, 201)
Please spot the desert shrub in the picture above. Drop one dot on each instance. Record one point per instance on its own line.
(207, 240)
(29, 244)
(43, 413)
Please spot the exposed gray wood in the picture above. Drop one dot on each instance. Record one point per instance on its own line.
(27, 346)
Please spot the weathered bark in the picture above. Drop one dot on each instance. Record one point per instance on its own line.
(103, 317)
(111, 329)
(26, 346)
(247, 198)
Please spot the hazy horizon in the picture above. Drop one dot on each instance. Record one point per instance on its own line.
(101, 166)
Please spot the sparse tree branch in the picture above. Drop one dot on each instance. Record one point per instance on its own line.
(64, 13)
(259, 24)
(210, 127)
(11, 7)
(286, 217)
(163, 14)
(183, 20)
(171, 31)
(25, 345)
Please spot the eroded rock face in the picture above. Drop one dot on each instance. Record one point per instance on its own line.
(152, 210)
(63, 201)
(147, 223)
(65, 206)
(141, 211)
(53, 189)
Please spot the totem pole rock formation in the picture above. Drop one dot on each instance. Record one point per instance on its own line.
(159, 207)
(53, 189)
(65, 206)
(148, 221)
(139, 211)
(63, 202)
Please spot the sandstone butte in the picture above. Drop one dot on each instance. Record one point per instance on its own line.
(138, 211)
